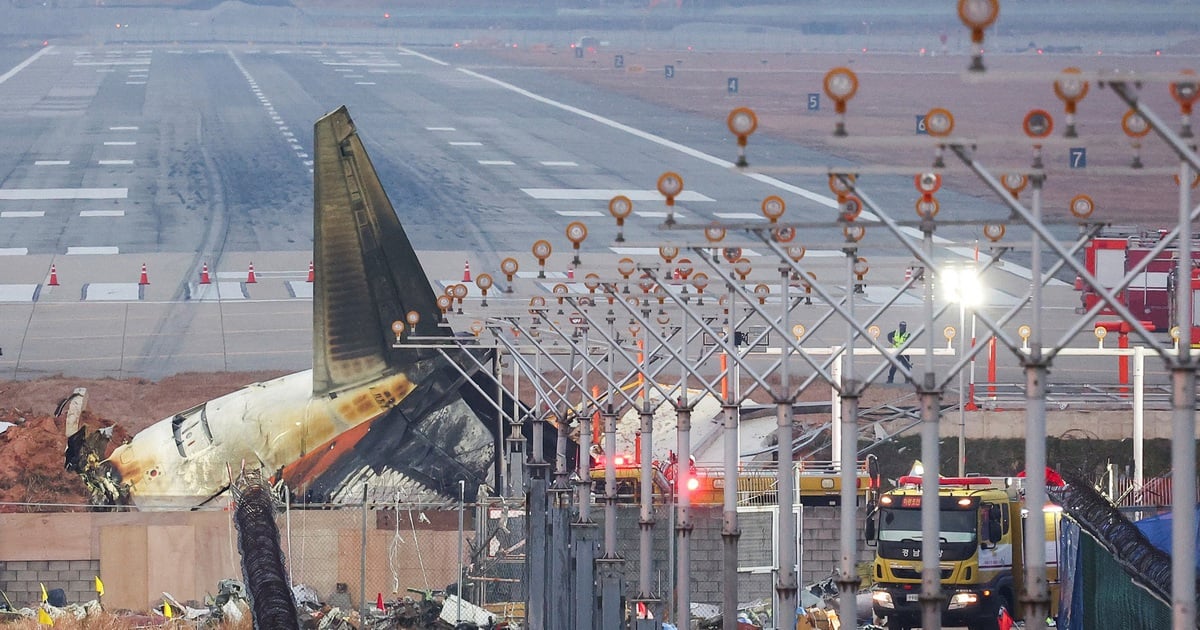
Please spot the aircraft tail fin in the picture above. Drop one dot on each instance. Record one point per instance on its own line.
(368, 274)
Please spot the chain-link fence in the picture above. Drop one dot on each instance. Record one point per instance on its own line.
(356, 554)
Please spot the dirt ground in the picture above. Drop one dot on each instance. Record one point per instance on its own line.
(893, 90)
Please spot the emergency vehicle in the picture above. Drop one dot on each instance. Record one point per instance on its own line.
(983, 522)
(1151, 295)
(816, 483)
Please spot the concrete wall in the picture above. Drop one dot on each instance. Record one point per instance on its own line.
(140, 555)
(1104, 424)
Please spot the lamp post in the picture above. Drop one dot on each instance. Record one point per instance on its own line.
(962, 286)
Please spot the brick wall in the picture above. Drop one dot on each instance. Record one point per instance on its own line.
(21, 580)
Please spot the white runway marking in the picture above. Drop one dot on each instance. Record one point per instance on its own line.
(748, 216)
(120, 143)
(21, 214)
(114, 162)
(579, 213)
(497, 162)
(24, 64)
(301, 289)
(13, 251)
(14, 194)
(135, 83)
(439, 129)
(217, 291)
(604, 194)
(124, 128)
(558, 163)
(112, 292)
(18, 292)
(114, 62)
(656, 214)
(102, 213)
(466, 144)
(51, 162)
(364, 83)
(93, 251)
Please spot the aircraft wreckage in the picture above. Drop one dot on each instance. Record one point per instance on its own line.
(403, 419)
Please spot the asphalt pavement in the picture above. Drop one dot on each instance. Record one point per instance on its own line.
(176, 159)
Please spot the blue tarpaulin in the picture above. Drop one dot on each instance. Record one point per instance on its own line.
(1157, 529)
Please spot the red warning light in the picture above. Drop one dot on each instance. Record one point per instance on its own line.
(387, 16)
(692, 484)
(45, 42)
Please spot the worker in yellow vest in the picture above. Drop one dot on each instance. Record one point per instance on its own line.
(898, 338)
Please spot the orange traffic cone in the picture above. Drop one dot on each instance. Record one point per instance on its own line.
(570, 272)
(379, 601)
(466, 271)
(144, 279)
(53, 277)
(204, 278)
(311, 273)
(250, 275)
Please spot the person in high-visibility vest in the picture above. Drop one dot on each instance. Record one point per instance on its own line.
(897, 338)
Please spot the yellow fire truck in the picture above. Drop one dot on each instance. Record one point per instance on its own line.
(983, 521)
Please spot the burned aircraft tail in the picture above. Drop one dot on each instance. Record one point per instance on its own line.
(368, 275)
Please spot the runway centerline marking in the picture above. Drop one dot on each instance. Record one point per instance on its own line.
(21, 214)
(102, 213)
(51, 162)
(93, 251)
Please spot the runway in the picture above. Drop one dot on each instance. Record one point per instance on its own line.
(178, 157)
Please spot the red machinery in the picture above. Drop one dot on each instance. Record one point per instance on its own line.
(1151, 295)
